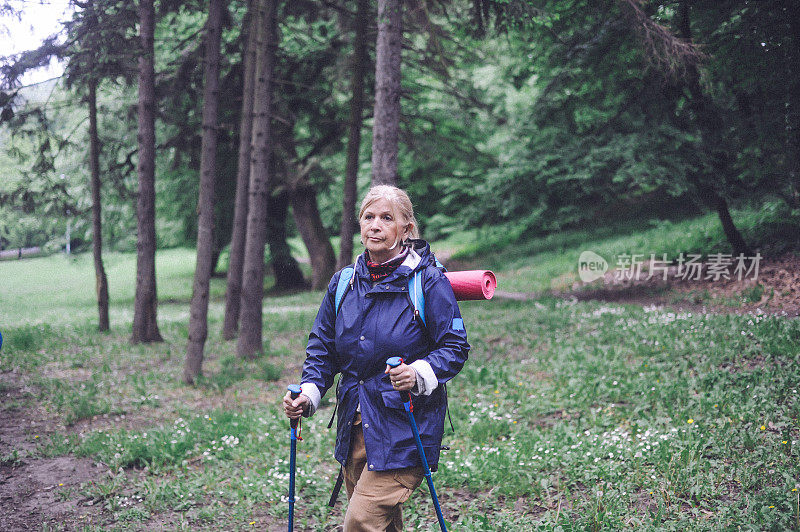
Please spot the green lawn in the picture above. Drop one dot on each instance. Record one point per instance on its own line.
(568, 415)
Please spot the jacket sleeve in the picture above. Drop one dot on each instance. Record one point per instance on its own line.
(446, 328)
(321, 364)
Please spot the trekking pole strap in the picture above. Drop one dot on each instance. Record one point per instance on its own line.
(337, 488)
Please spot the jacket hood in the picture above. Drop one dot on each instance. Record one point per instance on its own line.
(423, 249)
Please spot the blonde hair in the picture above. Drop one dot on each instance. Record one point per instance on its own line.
(401, 205)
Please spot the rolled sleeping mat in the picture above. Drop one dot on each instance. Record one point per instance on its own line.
(472, 284)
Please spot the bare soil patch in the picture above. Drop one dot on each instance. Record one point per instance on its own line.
(44, 490)
(489, 502)
(34, 490)
(551, 419)
(21, 422)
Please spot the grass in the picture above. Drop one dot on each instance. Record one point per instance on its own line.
(75, 400)
(569, 415)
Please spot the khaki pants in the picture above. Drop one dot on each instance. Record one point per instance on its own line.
(375, 496)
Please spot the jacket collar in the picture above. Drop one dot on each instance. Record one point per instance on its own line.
(418, 256)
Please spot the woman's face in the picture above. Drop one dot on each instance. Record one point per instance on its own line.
(381, 232)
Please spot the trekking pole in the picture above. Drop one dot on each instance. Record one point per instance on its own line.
(294, 390)
(409, 408)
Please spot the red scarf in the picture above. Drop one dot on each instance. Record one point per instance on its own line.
(378, 272)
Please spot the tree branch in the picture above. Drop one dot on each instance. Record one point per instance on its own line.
(667, 52)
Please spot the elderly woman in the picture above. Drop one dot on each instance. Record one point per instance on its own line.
(376, 320)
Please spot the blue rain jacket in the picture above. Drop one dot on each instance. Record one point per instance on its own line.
(375, 323)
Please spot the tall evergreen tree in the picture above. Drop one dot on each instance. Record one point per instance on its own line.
(145, 326)
(386, 125)
(250, 336)
(707, 178)
(233, 293)
(306, 215)
(349, 225)
(198, 311)
(101, 281)
(97, 50)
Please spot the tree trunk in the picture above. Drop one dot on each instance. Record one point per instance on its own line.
(250, 337)
(145, 326)
(309, 223)
(386, 126)
(233, 293)
(712, 143)
(101, 282)
(288, 274)
(198, 310)
(718, 204)
(215, 253)
(360, 59)
(792, 103)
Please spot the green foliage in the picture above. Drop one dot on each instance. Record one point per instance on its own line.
(26, 337)
(583, 139)
(10, 459)
(213, 436)
(628, 405)
(753, 294)
(76, 400)
(542, 117)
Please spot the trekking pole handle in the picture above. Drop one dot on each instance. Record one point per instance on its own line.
(294, 393)
(393, 362)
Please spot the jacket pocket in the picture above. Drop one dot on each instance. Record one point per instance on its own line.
(392, 399)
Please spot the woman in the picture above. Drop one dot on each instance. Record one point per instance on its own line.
(375, 321)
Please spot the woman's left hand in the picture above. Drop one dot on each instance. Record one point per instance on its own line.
(403, 377)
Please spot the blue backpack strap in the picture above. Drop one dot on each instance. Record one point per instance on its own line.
(416, 294)
(418, 300)
(344, 283)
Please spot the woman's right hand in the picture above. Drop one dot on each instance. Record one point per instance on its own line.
(294, 408)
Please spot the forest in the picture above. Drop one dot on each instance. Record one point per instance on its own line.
(200, 165)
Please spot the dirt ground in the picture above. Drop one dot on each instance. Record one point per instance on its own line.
(36, 491)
